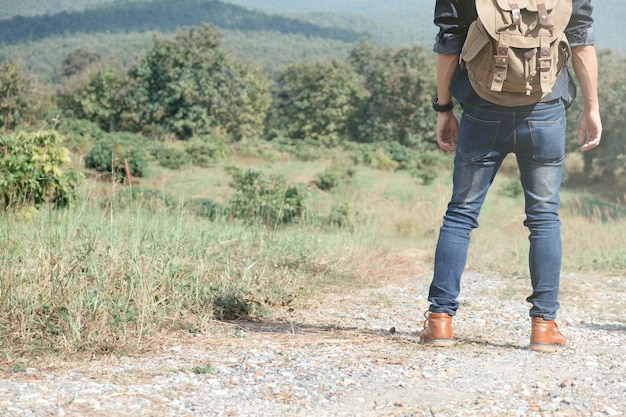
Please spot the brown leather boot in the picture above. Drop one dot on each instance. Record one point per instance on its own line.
(545, 336)
(437, 330)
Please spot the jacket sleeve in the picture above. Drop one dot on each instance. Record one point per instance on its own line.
(453, 17)
(580, 29)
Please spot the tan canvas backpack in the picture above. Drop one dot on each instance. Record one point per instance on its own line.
(516, 48)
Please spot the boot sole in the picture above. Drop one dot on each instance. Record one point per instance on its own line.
(438, 342)
(545, 347)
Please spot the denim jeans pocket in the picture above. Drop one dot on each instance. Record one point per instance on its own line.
(548, 139)
(477, 137)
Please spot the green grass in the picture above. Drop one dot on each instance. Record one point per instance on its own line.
(93, 279)
(104, 276)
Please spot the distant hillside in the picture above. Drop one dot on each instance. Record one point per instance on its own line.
(410, 21)
(396, 22)
(162, 15)
(10, 8)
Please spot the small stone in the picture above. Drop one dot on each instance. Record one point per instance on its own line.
(609, 411)
(348, 382)
(95, 404)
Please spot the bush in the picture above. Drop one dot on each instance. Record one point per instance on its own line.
(512, 188)
(335, 175)
(205, 150)
(383, 161)
(422, 164)
(307, 149)
(31, 171)
(171, 158)
(79, 133)
(116, 150)
(204, 207)
(269, 199)
(343, 215)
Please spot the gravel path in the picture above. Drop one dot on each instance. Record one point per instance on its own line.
(356, 354)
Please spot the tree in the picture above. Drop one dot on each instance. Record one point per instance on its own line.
(77, 62)
(21, 99)
(246, 102)
(187, 87)
(97, 96)
(400, 83)
(317, 100)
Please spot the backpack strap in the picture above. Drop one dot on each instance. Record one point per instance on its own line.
(501, 62)
(545, 59)
(545, 64)
(544, 18)
(516, 14)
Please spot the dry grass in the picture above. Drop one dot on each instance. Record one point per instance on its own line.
(93, 281)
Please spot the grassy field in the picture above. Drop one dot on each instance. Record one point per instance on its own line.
(103, 275)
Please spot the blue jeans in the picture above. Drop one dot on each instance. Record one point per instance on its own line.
(487, 134)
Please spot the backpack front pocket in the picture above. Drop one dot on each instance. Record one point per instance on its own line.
(477, 56)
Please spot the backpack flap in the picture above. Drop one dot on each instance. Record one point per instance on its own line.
(536, 5)
(509, 5)
(516, 48)
(524, 19)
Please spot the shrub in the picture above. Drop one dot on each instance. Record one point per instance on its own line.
(204, 207)
(205, 150)
(384, 161)
(343, 215)
(171, 158)
(31, 171)
(270, 199)
(426, 165)
(334, 175)
(116, 150)
(512, 188)
(79, 133)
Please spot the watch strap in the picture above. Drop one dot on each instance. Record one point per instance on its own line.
(442, 107)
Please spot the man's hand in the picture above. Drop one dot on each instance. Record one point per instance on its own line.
(447, 130)
(589, 130)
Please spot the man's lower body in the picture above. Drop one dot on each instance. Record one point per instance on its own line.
(536, 135)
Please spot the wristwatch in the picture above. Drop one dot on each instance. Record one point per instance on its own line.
(442, 107)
